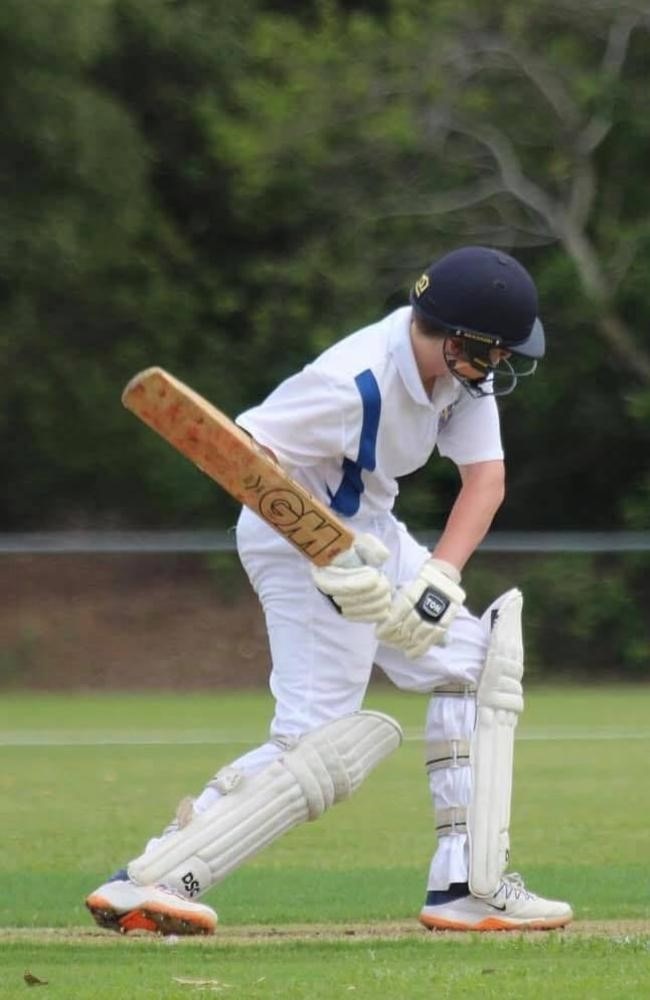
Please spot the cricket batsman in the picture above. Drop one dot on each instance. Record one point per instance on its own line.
(373, 408)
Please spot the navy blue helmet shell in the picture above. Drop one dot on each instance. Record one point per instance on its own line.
(485, 292)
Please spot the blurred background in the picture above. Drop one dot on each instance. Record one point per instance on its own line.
(225, 189)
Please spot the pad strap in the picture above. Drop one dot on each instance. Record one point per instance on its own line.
(448, 753)
(456, 690)
(451, 821)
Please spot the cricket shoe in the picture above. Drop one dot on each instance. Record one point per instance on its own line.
(121, 905)
(511, 908)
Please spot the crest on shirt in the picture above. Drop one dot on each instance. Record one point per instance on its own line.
(445, 416)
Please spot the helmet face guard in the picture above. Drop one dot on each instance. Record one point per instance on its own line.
(499, 377)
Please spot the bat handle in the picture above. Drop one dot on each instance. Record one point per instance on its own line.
(350, 559)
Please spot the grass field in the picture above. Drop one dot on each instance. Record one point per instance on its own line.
(330, 909)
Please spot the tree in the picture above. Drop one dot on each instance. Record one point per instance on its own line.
(178, 191)
(97, 277)
(559, 167)
(381, 143)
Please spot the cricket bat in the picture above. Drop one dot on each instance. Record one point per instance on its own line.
(225, 453)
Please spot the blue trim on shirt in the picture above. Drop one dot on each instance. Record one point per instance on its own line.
(347, 498)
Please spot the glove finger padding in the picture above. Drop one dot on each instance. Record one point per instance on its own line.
(422, 611)
(354, 583)
(370, 550)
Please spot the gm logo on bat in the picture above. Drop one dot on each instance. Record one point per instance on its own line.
(287, 511)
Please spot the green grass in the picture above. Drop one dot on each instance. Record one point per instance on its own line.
(525, 969)
(85, 780)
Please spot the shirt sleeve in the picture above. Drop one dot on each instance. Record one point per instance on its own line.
(472, 432)
(303, 420)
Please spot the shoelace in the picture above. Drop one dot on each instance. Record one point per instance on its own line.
(170, 892)
(513, 885)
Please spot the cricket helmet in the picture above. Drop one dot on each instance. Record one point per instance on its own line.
(485, 299)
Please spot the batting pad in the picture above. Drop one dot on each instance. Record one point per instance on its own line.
(499, 702)
(325, 767)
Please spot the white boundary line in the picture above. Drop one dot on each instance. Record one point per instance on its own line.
(28, 740)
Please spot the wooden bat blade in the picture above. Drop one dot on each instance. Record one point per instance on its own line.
(225, 453)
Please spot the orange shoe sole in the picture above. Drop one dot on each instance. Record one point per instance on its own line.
(157, 919)
(492, 924)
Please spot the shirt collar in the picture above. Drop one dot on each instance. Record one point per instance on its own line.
(445, 390)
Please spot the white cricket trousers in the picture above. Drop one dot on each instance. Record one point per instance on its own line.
(321, 665)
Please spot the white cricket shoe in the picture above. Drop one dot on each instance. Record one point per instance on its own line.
(511, 908)
(123, 906)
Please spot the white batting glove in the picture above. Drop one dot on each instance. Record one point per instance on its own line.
(423, 610)
(354, 583)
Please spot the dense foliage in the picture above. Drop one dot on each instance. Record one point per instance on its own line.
(223, 189)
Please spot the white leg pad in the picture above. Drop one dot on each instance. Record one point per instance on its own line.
(324, 767)
(499, 702)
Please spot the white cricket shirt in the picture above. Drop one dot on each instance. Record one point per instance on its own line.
(356, 419)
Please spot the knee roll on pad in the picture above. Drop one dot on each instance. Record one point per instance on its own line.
(324, 767)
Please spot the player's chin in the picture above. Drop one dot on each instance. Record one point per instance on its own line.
(468, 372)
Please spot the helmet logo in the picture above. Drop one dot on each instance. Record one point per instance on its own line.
(421, 285)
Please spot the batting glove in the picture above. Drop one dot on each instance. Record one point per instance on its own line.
(354, 583)
(423, 610)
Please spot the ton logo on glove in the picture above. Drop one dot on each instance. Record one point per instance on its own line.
(431, 605)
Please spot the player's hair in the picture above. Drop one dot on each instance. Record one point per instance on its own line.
(426, 327)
